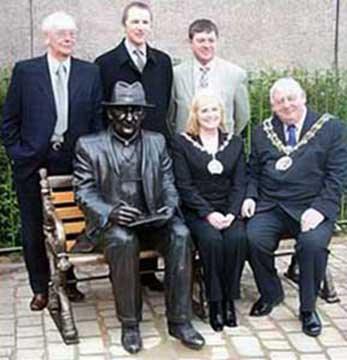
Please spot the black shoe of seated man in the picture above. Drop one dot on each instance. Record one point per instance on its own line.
(262, 307)
(74, 294)
(229, 314)
(311, 324)
(39, 302)
(187, 334)
(131, 338)
(151, 281)
(216, 315)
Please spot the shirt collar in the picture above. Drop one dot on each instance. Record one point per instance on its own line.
(197, 65)
(300, 124)
(54, 64)
(131, 47)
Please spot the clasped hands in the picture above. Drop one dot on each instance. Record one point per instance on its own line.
(220, 221)
(310, 218)
(124, 214)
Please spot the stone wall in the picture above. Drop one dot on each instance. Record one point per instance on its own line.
(253, 33)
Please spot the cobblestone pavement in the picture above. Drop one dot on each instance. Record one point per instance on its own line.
(28, 335)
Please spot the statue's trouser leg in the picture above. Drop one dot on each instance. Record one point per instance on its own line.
(122, 256)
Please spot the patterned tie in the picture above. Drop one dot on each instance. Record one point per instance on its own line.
(203, 82)
(139, 62)
(61, 102)
(291, 141)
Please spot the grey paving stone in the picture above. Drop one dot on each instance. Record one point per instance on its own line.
(276, 344)
(91, 346)
(282, 355)
(88, 329)
(247, 346)
(29, 321)
(313, 357)
(29, 331)
(30, 343)
(270, 335)
(6, 327)
(304, 343)
(337, 353)
(30, 354)
(332, 337)
(61, 352)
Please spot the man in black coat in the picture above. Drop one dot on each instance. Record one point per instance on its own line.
(297, 169)
(124, 183)
(134, 60)
(51, 101)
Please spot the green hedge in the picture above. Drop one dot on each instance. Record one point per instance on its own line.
(326, 92)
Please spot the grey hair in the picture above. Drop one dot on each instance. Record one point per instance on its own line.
(58, 20)
(288, 85)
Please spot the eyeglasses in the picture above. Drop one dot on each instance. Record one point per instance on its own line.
(65, 33)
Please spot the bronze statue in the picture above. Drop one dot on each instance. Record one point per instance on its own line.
(124, 183)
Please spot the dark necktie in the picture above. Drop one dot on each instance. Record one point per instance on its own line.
(291, 140)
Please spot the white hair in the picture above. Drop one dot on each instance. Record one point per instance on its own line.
(58, 20)
(288, 85)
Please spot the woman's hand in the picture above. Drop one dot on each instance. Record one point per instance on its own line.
(219, 221)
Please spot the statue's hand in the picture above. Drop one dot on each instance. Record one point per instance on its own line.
(124, 214)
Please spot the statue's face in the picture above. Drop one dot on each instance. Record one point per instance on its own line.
(126, 120)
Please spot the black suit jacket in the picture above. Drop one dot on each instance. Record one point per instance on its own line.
(315, 178)
(202, 192)
(29, 113)
(156, 78)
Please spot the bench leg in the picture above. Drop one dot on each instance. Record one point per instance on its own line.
(199, 301)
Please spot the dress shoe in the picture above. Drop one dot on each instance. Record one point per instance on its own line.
(229, 314)
(262, 308)
(39, 302)
(311, 324)
(74, 294)
(216, 315)
(187, 334)
(131, 338)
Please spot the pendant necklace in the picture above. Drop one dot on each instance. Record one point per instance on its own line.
(214, 166)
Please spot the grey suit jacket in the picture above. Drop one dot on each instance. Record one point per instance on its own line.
(232, 81)
(97, 177)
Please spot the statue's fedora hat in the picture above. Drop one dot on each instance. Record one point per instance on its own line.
(125, 94)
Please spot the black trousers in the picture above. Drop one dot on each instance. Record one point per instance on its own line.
(223, 256)
(264, 232)
(122, 248)
(30, 210)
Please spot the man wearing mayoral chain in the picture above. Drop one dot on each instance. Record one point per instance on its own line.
(297, 169)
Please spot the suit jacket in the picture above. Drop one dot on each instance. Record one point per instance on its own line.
(29, 113)
(97, 177)
(315, 178)
(200, 191)
(156, 78)
(232, 81)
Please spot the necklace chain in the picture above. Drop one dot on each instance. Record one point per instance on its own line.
(310, 134)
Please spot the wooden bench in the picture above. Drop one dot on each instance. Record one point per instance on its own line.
(63, 222)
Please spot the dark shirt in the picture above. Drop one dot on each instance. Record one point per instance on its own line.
(202, 192)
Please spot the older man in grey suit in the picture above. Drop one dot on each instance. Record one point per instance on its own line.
(208, 73)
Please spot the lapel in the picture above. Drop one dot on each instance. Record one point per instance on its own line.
(278, 128)
(110, 151)
(74, 80)
(44, 81)
(310, 118)
(145, 156)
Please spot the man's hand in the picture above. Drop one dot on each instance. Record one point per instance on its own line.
(167, 211)
(124, 214)
(310, 219)
(248, 208)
